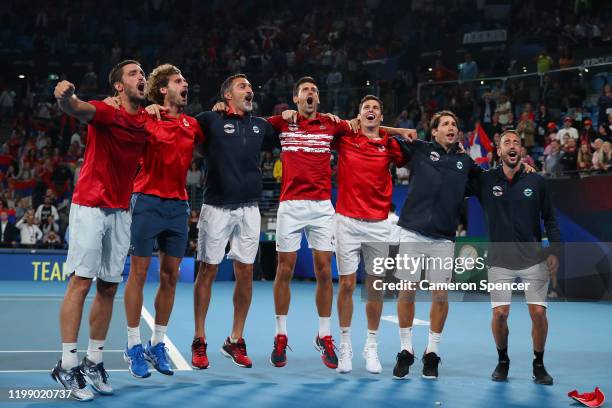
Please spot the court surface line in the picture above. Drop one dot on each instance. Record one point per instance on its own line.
(175, 355)
(394, 319)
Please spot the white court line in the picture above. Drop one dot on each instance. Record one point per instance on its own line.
(44, 371)
(53, 351)
(416, 322)
(175, 355)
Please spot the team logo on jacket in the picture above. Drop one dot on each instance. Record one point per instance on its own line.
(229, 128)
(459, 165)
(434, 156)
(497, 191)
(293, 127)
(528, 192)
(185, 123)
(256, 129)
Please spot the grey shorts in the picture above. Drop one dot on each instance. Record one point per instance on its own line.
(99, 242)
(435, 256)
(535, 277)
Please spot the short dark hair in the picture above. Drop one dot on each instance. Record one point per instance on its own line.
(303, 80)
(370, 98)
(227, 84)
(435, 119)
(510, 131)
(117, 72)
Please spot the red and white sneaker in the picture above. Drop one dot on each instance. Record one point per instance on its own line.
(199, 359)
(237, 352)
(326, 347)
(278, 358)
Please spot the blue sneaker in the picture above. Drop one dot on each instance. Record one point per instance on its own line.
(157, 356)
(136, 361)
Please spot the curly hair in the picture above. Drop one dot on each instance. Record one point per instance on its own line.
(158, 78)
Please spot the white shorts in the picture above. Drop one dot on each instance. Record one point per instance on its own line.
(99, 242)
(351, 233)
(536, 277)
(218, 225)
(315, 218)
(436, 256)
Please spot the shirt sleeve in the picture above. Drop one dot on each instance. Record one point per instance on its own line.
(105, 114)
(474, 179)
(343, 128)
(549, 217)
(407, 149)
(271, 140)
(276, 122)
(396, 154)
(199, 133)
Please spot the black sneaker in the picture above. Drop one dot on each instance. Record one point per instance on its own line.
(501, 371)
(540, 375)
(404, 360)
(72, 380)
(430, 365)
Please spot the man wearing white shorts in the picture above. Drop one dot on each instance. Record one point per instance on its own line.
(100, 220)
(305, 206)
(364, 199)
(230, 212)
(515, 204)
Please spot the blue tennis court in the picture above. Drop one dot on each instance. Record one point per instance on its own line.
(578, 354)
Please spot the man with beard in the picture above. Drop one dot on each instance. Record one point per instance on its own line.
(514, 204)
(100, 219)
(159, 215)
(230, 211)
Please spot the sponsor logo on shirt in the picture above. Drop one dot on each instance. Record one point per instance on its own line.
(381, 148)
(528, 192)
(497, 191)
(256, 129)
(459, 165)
(434, 156)
(293, 127)
(229, 128)
(185, 123)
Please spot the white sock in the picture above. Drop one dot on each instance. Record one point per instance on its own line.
(158, 334)
(433, 343)
(94, 350)
(133, 336)
(281, 324)
(405, 334)
(345, 335)
(324, 326)
(371, 338)
(69, 356)
(233, 340)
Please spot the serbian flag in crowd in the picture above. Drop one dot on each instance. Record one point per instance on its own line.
(480, 145)
(24, 187)
(5, 162)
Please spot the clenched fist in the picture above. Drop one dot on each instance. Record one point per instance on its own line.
(63, 90)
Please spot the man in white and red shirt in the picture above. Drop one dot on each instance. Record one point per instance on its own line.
(100, 219)
(364, 198)
(160, 215)
(305, 205)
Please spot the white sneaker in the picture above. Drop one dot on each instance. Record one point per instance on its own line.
(370, 353)
(345, 358)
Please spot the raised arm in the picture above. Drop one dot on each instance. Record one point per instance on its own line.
(70, 104)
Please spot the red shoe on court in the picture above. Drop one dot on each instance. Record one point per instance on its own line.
(326, 347)
(237, 352)
(199, 359)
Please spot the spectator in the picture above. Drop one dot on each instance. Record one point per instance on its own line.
(504, 110)
(602, 158)
(277, 172)
(441, 73)
(567, 129)
(45, 210)
(49, 224)
(7, 104)
(267, 165)
(403, 175)
(8, 231)
(552, 162)
(526, 130)
(605, 104)
(569, 156)
(585, 157)
(487, 110)
(588, 134)
(468, 69)
(544, 62)
(52, 240)
(26, 172)
(526, 158)
(194, 176)
(30, 233)
(403, 121)
(193, 233)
